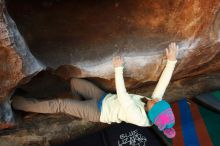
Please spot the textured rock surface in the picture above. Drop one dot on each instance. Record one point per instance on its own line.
(44, 130)
(87, 34)
(16, 60)
(186, 87)
(16, 63)
(78, 39)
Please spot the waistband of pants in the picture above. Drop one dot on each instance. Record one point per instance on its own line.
(100, 102)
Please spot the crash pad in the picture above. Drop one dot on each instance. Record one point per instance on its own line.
(122, 134)
(211, 100)
(195, 125)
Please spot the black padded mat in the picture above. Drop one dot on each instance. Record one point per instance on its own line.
(119, 135)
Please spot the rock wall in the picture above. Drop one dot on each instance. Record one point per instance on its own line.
(80, 38)
(74, 38)
(16, 63)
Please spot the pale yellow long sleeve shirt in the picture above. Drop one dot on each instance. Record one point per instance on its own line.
(129, 107)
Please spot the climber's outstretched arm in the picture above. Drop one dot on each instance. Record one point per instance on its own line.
(171, 54)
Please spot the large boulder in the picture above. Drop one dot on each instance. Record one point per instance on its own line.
(79, 38)
(16, 63)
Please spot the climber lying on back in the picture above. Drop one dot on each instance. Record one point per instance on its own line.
(99, 106)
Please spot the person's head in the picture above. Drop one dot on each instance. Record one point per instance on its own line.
(149, 103)
(161, 114)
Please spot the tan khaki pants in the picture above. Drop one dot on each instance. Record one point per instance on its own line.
(86, 109)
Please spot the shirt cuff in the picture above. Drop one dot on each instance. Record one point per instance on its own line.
(120, 68)
(171, 62)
